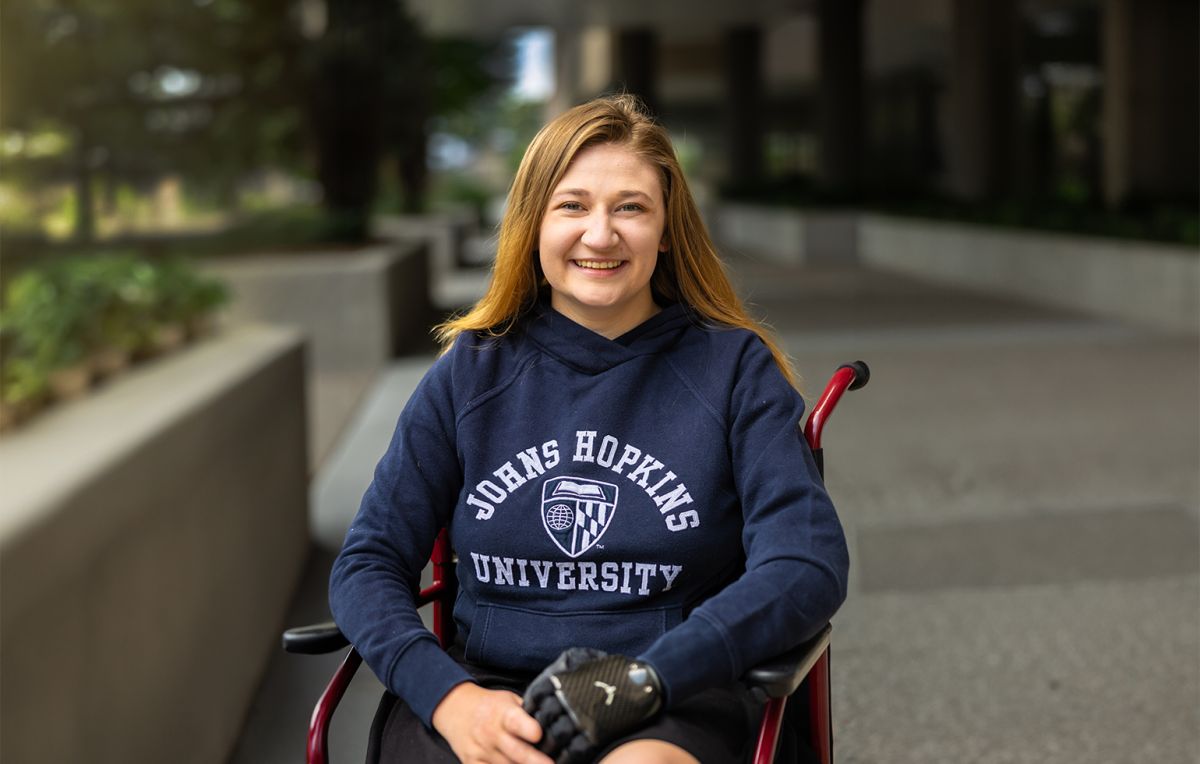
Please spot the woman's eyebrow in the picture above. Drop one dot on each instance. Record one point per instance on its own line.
(627, 194)
(586, 193)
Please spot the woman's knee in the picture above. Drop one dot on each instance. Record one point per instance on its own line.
(649, 752)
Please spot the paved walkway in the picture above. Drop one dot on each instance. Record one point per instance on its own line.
(1021, 491)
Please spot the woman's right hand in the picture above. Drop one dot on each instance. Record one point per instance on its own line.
(489, 726)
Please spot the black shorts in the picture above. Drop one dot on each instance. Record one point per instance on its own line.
(717, 726)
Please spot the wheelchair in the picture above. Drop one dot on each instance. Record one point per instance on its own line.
(801, 673)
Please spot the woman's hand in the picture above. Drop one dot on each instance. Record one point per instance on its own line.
(586, 698)
(488, 726)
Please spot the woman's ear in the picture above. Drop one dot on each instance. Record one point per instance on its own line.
(663, 246)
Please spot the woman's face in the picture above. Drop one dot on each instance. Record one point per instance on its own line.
(600, 238)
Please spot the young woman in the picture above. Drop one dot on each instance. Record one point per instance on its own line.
(614, 445)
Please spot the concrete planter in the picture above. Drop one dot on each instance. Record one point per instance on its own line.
(358, 309)
(151, 537)
(456, 279)
(1152, 284)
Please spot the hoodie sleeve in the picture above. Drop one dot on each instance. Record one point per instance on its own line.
(796, 558)
(375, 578)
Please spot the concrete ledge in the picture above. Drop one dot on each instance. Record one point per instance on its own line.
(1147, 283)
(150, 539)
(787, 236)
(358, 308)
(456, 280)
(1143, 282)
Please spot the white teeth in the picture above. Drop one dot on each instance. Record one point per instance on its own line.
(600, 265)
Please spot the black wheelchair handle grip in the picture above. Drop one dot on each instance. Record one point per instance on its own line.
(316, 639)
(862, 374)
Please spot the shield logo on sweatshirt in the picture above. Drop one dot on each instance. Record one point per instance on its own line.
(576, 512)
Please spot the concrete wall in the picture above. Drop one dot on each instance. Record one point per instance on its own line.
(786, 236)
(358, 310)
(1152, 284)
(1142, 282)
(151, 537)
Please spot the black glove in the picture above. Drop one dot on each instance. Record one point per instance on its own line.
(587, 697)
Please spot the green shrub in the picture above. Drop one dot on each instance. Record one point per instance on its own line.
(24, 382)
(44, 321)
(57, 315)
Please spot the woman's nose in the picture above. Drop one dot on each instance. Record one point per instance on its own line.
(600, 233)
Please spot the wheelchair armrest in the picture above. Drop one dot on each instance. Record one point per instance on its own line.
(779, 677)
(321, 638)
(316, 639)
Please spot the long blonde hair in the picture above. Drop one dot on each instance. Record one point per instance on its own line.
(689, 272)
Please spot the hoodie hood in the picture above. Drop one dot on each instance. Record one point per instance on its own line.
(586, 351)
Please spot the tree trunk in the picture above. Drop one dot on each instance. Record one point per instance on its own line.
(347, 104)
(414, 172)
(346, 117)
(85, 219)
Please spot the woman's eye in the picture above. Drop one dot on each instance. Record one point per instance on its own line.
(630, 207)
(571, 206)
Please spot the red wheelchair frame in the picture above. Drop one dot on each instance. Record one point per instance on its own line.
(778, 679)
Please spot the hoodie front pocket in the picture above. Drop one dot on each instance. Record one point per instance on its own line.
(528, 640)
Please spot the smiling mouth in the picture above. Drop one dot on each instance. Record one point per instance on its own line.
(598, 265)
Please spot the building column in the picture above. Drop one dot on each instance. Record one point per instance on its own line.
(635, 65)
(1151, 113)
(568, 59)
(840, 94)
(984, 91)
(744, 104)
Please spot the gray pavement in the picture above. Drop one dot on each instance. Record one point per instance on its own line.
(1021, 491)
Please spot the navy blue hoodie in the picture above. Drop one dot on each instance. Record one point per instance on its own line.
(651, 495)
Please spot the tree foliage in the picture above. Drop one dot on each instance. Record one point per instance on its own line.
(215, 89)
(140, 88)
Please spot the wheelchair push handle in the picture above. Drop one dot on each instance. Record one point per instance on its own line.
(862, 373)
(849, 376)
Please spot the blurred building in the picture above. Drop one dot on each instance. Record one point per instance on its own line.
(1086, 99)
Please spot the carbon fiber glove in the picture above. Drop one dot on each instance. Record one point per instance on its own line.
(587, 697)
